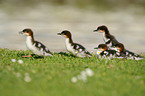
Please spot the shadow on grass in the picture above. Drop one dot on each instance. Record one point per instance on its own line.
(65, 54)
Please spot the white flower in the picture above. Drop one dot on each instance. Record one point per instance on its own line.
(83, 76)
(20, 61)
(91, 52)
(98, 52)
(13, 60)
(27, 78)
(89, 72)
(74, 79)
(116, 49)
(18, 74)
(79, 77)
(83, 73)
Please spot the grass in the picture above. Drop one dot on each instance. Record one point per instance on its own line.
(52, 76)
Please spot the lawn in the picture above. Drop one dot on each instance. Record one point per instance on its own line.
(52, 76)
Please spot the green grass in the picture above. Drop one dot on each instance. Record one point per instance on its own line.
(52, 76)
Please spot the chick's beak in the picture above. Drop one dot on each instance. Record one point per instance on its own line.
(96, 48)
(58, 33)
(95, 30)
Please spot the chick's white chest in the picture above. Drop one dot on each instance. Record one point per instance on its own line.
(30, 46)
(104, 38)
(69, 47)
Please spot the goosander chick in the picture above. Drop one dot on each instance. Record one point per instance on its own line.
(74, 48)
(35, 46)
(119, 47)
(109, 39)
(103, 51)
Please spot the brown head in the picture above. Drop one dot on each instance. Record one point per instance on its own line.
(119, 47)
(65, 33)
(102, 47)
(27, 32)
(103, 29)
